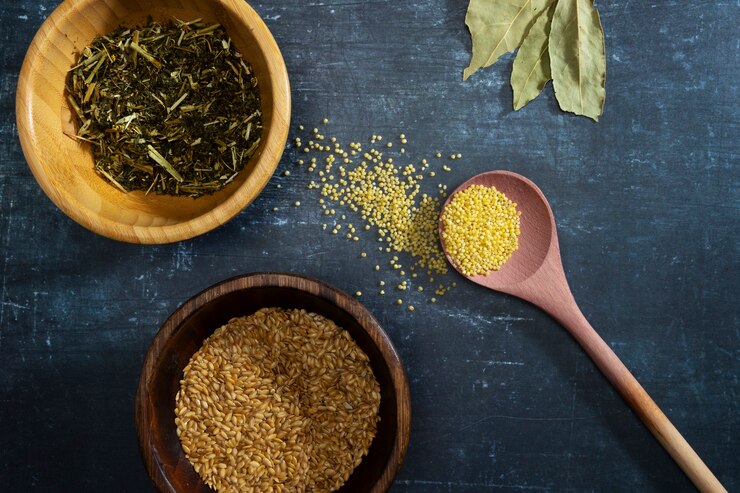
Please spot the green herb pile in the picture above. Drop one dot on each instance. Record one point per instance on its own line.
(170, 108)
(558, 40)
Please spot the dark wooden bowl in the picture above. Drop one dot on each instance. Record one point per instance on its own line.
(183, 334)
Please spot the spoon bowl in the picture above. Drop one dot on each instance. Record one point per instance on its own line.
(536, 232)
(535, 273)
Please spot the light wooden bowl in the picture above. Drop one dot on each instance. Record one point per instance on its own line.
(64, 167)
(183, 334)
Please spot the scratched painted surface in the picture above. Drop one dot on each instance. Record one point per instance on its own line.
(503, 400)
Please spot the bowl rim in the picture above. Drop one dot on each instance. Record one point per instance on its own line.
(272, 148)
(305, 284)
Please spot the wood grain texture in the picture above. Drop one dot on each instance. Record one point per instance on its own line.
(63, 166)
(646, 206)
(535, 274)
(183, 334)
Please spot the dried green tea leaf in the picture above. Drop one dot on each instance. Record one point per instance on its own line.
(578, 58)
(498, 27)
(170, 108)
(531, 69)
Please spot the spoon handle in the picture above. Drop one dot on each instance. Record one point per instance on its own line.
(639, 400)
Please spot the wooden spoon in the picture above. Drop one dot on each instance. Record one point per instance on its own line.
(535, 273)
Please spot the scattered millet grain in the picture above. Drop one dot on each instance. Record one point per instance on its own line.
(480, 229)
(388, 197)
(281, 400)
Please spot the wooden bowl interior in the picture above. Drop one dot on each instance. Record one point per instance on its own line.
(63, 166)
(189, 337)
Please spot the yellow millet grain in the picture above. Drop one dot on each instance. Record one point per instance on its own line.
(392, 204)
(481, 229)
(388, 197)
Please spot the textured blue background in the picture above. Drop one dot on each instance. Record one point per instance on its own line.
(646, 202)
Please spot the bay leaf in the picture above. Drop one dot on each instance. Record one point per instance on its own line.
(498, 27)
(578, 58)
(531, 70)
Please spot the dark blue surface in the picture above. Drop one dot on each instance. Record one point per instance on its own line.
(647, 204)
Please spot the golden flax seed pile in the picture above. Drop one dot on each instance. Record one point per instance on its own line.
(279, 401)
